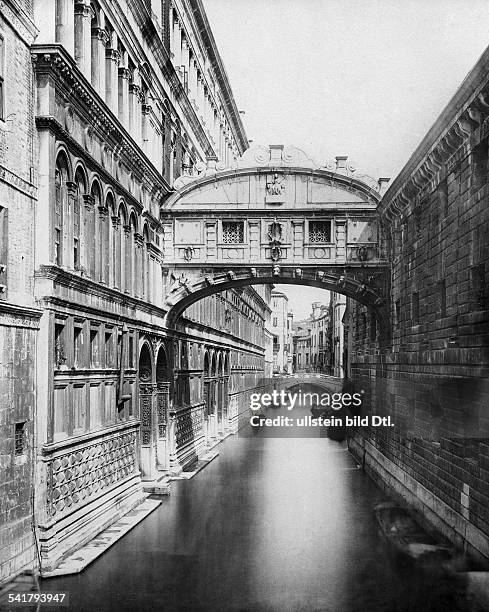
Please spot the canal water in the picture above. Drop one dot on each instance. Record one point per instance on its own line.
(273, 524)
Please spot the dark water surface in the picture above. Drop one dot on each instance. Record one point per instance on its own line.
(272, 524)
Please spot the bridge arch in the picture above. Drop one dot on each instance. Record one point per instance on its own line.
(276, 217)
(369, 287)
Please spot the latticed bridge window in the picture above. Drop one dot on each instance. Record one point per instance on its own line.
(232, 232)
(319, 231)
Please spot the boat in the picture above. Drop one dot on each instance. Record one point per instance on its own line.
(407, 538)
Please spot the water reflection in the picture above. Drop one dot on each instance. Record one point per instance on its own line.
(273, 524)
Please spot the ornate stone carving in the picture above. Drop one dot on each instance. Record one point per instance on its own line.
(189, 424)
(188, 253)
(113, 54)
(60, 356)
(275, 189)
(124, 72)
(101, 34)
(275, 235)
(69, 118)
(88, 201)
(78, 475)
(162, 405)
(178, 282)
(145, 374)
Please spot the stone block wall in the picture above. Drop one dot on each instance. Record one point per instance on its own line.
(18, 317)
(433, 375)
(17, 452)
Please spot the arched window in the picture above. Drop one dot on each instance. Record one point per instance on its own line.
(107, 251)
(117, 247)
(77, 218)
(121, 251)
(60, 204)
(95, 261)
(131, 255)
(145, 264)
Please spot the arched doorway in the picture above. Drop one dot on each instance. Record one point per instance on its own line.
(219, 396)
(162, 410)
(212, 401)
(207, 395)
(225, 394)
(145, 382)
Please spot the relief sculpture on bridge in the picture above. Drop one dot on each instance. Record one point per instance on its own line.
(275, 234)
(275, 189)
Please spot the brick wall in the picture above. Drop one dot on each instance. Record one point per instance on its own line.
(432, 377)
(17, 373)
(18, 319)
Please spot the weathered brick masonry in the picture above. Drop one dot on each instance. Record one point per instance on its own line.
(18, 316)
(433, 375)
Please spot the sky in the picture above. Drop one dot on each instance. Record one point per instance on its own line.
(363, 78)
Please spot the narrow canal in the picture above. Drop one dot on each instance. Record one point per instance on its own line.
(273, 524)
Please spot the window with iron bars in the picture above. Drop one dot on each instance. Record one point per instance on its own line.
(232, 232)
(319, 231)
(19, 440)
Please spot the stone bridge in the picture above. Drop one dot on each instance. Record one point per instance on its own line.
(276, 218)
(327, 384)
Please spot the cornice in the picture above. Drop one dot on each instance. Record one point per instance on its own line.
(20, 21)
(212, 178)
(53, 59)
(220, 72)
(184, 322)
(86, 285)
(56, 128)
(459, 127)
(16, 182)
(19, 311)
(161, 55)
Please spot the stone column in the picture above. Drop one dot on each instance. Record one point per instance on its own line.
(220, 407)
(123, 91)
(146, 411)
(135, 97)
(185, 61)
(87, 237)
(127, 283)
(201, 99)
(112, 58)
(162, 410)
(116, 251)
(122, 257)
(171, 25)
(198, 95)
(145, 110)
(100, 244)
(192, 79)
(83, 43)
(177, 43)
(65, 25)
(99, 40)
(68, 225)
(138, 260)
(340, 226)
(209, 114)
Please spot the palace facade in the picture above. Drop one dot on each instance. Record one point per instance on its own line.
(104, 106)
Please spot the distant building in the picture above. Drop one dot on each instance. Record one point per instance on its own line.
(312, 341)
(281, 328)
(320, 344)
(302, 347)
(338, 307)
